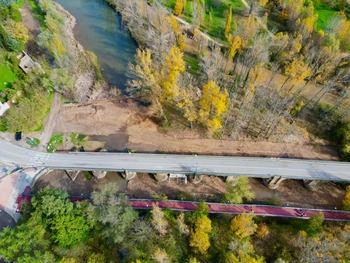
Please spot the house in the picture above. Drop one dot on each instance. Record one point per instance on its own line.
(4, 107)
(27, 63)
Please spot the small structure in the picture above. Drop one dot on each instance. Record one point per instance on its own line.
(4, 107)
(27, 64)
(177, 177)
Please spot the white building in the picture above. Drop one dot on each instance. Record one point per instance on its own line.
(4, 107)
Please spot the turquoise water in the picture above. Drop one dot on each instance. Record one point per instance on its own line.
(99, 29)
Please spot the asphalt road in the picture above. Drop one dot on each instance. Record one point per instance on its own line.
(188, 164)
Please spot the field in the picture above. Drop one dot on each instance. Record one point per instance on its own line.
(218, 10)
(6, 76)
(324, 14)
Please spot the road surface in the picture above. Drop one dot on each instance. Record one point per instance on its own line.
(186, 164)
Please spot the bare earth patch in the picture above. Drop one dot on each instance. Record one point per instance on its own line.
(81, 186)
(135, 131)
(211, 189)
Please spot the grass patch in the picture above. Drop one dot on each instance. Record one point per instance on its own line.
(77, 139)
(88, 175)
(324, 14)
(7, 76)
(38, 14)
(40, 127)
(218, 11)
(33, 142)
(54, 142)
(192, 64)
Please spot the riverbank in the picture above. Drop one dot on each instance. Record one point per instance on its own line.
(85, 69)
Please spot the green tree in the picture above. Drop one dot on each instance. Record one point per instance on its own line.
(315, 225)
(26, 243)
(111, 213)
(64, 220)
(239, 192)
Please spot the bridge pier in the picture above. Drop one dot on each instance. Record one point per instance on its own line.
(128, 175)
(161, 177)
(99, 174)
(72, 174)
(273, 182)
(311, 185)
(195, 178)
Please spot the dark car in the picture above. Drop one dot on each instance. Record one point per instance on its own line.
(18, 136)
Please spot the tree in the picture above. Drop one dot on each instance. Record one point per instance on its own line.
(214, 105)
(160, 256)
(26, 243)
(263, 231)
(17, 31)
(179, 7)
(243, 226)
(183, 228)
(159, 221)
(315, 225)
(65, 221)
(174, 66)
(199, 237)
(228, 21)
(239, 192)
(346, 200)
(111, 213)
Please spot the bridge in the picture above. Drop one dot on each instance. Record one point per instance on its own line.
(170, 163)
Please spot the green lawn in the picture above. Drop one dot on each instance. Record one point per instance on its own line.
(219, 11)
(324, 14)
(54, 142)
(7, 76)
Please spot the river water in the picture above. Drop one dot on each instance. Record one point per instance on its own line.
(99, 29)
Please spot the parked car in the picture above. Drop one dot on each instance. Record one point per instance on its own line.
(18, 136)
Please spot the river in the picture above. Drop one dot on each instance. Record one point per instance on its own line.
(99, 29)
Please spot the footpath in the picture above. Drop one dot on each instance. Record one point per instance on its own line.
(259, 210)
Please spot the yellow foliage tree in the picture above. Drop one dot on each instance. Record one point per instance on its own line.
(179, 7)
(158, 220)
(187, 104)
(160, 256)
(57, 45)
(174, 65)
(214, 105)
(263, 231)
(235, 44)
(180, 38)
(346, 201)
(228, 21)
(16, 31)
(243, 226)
(297, 70)
(199, 238)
